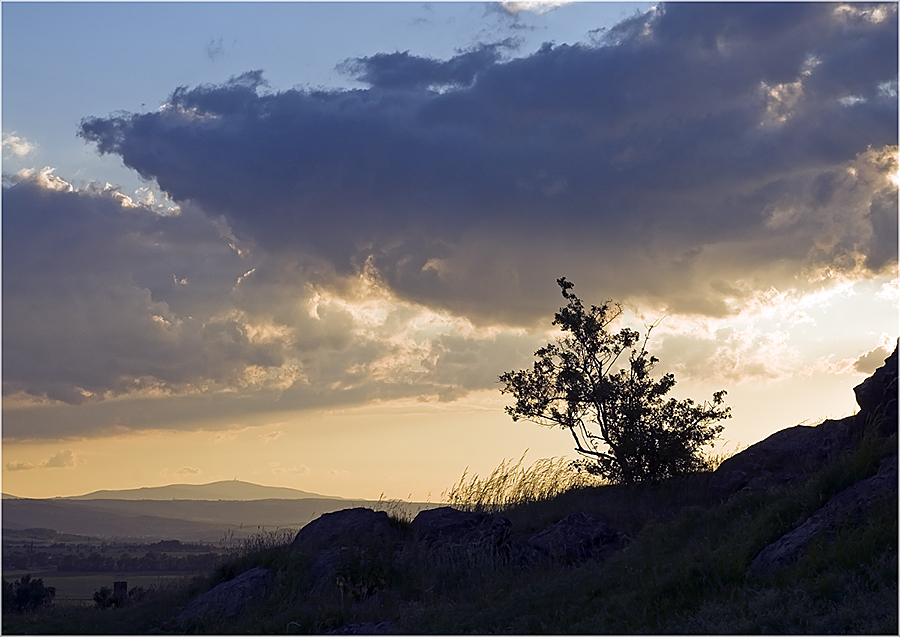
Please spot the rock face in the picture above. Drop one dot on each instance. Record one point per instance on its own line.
(227, 599)
(853, 502)
(446, 526)
(577, 538)
(877, 395)
(793, 453)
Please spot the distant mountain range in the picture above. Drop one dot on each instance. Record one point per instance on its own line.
(185, 520)
(222, 490)
(188, 512)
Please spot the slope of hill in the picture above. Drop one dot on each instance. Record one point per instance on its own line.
(222, 490)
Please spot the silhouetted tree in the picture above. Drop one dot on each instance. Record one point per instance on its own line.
(617, 413)
(26, 594)
(103, 598)
(9, 596)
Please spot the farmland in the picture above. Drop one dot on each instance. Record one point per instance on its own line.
(73, 586)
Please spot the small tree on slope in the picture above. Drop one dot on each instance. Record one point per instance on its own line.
(617, 414)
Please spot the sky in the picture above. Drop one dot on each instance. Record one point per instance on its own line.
(297, 243)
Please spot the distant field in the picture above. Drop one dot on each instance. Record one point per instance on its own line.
(76, 585)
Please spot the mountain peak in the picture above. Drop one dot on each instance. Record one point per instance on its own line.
(220, 490)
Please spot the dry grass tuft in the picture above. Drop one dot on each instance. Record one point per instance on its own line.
(510, 485)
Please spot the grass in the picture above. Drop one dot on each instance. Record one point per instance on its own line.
(511, 485)
(685, 569)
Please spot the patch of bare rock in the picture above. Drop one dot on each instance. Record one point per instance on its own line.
(852, 504)
(577, 538)
(448, 527)
(228, 599)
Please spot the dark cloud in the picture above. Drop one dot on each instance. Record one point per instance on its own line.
(101, 299)
(182, 323)
(402, 71)
(624, 161)
(688, 158)
(215, 49)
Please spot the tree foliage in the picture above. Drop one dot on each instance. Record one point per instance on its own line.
(617, 413)
(26, 594)
(104, 598)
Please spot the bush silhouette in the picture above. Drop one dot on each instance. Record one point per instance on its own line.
(103, 597)
(26, 594)
(617, 414)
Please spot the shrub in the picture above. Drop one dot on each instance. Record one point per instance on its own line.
(26, 595)
(617, 414)
(103, 598)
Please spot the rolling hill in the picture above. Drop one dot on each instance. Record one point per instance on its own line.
(187, 512)
(222, 490)
(185, 520)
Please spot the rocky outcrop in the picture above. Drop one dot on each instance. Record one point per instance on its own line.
(227, 599)
(877, 395)
(577, 538)
(796, 452)
(786, 456)
(851, 504)
(449, 527)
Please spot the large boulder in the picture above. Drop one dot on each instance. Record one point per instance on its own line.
(576, 538)
(227, 599)
(850, 504)
(446, 526)
(349, 527)
(343, 542)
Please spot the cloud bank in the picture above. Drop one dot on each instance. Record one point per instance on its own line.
(145, 320)
(401, 239)
(694, 139)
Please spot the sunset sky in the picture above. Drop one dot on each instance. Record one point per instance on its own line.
(296, 244)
